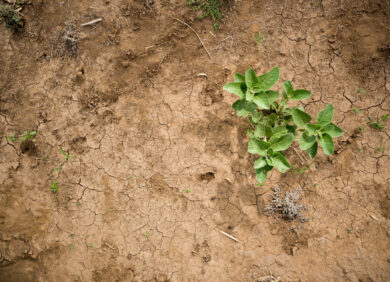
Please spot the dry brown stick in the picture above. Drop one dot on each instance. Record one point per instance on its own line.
(180, 21)
(164, 57)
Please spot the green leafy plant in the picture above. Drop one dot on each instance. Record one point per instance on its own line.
(361, 91)
(28, 135)
(274, 126)
(54, 187)
(67, 156)
(258, 38)
(11, 17)
(12, 138)
(379, 124)
(210, 8)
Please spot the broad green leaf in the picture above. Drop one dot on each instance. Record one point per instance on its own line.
(288, 89)
(312, 151)
(256, 146)
(261, 99)
(261, 173)
(243, 107)
(262, 130)
(250, 133)
(279, 160)
(326, 143)
(238, 77)
(269, 120)
(273, 140)
(283, 142)
(251, 79)
(279, 130)
(249, 95)
(300, 117)
(235, 88)
(312, 128)
(267, 80)
(300, 94)
(306, 141)
(333, 130)
(272, 95)
(259, 163)
(257, 116)
(325, 116)
(292, 129)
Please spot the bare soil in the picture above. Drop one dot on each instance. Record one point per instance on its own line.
(160, 160)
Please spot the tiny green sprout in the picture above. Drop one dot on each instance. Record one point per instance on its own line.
(303, 169)
(356, 110)
(380, 149)
(258, 38)
(209, 8)
(12, 138)
(57, 168)
(54, 187)
(28, 135)
(66, 155)
(274, 125)
(379, 124)
(71, 247)
(362, 129)
(349, 231)
(361, 91)
(78, 203)
(293, 169)
(90, 245)
(188, 191)
(147, 234)
(110, 210)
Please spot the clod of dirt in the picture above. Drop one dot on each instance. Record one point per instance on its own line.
(287, 207)
(208, 176)
(28, 147)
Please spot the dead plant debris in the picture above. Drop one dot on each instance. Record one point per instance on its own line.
(287, 206)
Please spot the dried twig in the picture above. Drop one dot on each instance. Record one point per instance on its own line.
(180, 21)
(228, 235)
(164, 57)
(92, 22)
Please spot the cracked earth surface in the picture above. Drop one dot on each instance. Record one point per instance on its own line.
(160, 160)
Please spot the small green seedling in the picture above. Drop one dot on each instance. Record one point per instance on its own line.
(356, 110)
(147, 234)
(361, 91)
(188, 191)
(90, 245)
(28, 135)
(274, 125)
(258, 38)
(380, 149)
(66, 155)
(12, 138)
(362, 129)
(379, 124)
(54, 187)
(210, 8)
(71, 248)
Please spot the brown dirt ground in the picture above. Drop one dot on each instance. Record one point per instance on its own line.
(160, 160)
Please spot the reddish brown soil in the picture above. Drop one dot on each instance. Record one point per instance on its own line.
(160, 159)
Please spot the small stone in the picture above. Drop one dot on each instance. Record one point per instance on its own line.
(125, 64)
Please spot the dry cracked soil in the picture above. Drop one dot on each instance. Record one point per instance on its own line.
(155, 161)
